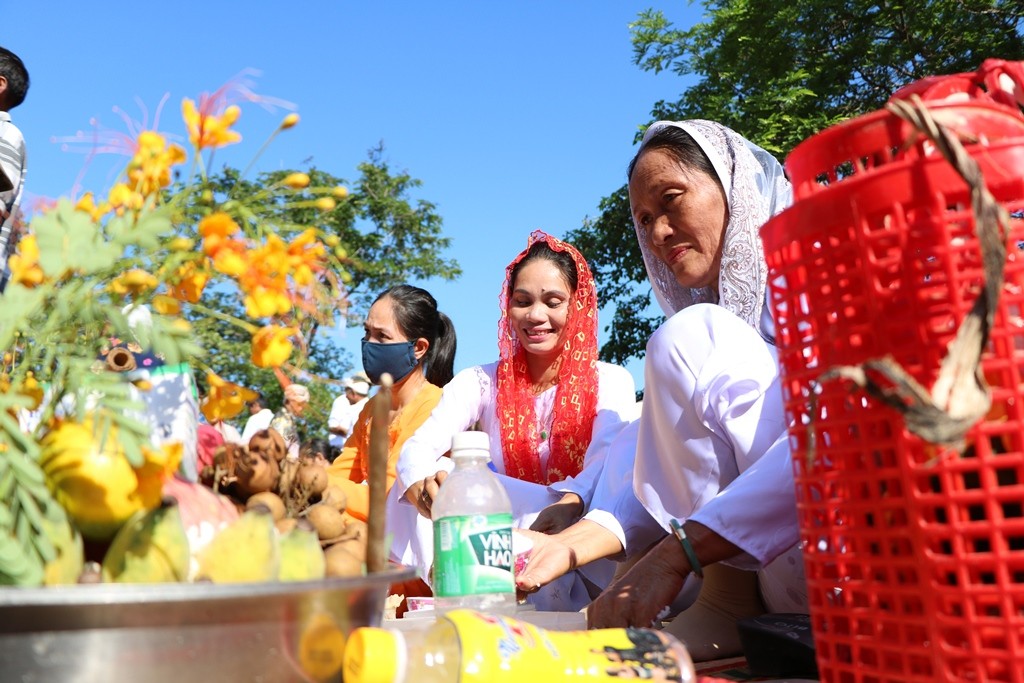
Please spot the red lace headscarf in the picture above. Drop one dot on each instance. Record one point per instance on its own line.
(576, 396)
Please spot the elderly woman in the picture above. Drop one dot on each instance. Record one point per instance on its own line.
(285, 422)
(712, 479)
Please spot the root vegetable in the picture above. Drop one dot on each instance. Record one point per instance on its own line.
(340, 562)
(327, 521)
(312, 478)
(334, 496)
(271, 500)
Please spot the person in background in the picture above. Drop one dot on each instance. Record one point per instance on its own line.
(346, 409)
(285, 422)
(14, 83)
(549, 406)
(407, 337)
(712, 481)
(315, 451)
(259, 418)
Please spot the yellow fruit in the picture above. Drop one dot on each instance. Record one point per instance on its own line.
(151, 547)
(93, 482)
(244, 551)
(302, 558)
(90, 476)
(67, 566)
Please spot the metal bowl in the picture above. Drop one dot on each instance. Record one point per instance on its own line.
(187, 633)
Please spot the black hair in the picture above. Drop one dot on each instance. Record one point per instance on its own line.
(315, 445)
(13, 69)
(542, 250)
(417, 316)
(258, 400)
(681, 146)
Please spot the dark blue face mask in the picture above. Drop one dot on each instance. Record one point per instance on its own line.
(398, 360)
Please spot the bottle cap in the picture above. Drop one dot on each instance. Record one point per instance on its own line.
(374, 655)
(470, 441)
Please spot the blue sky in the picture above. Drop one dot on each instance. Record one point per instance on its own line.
(515, 116)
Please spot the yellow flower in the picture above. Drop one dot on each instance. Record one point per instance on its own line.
(159, 464)
(87, 204)
(289, 121)
(133, 282)
(123, 198)
(230, 262)
(271, 346)
(296, 181)
(166, 305)
(341, 192)
(206, 129)
(189, 282)
(150, 167)
(30, 387)
(325, 203)
(224, 400)
(24, 265)
(263, 302)
(181, 244)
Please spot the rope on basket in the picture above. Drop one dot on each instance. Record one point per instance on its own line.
(960, 395)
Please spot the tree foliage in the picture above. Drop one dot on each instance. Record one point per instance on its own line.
(778, 73)
(388, 238)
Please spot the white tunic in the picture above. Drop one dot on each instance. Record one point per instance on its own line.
(712, 446)
(469, 400)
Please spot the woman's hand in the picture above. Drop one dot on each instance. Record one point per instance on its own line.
(549, 558)
(638, 596)
(422, 493)
(560, 515)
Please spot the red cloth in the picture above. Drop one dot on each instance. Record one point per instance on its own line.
(209, 440)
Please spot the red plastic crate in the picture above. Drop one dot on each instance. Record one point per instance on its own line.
(914, 553)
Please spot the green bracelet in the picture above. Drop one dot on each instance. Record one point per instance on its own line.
(677, 529)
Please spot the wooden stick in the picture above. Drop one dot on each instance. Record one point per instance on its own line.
(376, 554)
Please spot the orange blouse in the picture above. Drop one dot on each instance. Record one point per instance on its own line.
(350, 469)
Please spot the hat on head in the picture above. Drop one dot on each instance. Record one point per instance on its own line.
(297, 392)
(359, 386)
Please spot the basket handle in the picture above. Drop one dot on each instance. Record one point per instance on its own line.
(960, 395)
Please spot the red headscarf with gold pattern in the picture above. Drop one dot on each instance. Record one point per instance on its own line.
(576, 394)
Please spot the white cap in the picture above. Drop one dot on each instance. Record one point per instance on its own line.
(470, 441)
(359, 386)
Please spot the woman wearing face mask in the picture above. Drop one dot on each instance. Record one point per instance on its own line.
(549, 406)
(409, 339)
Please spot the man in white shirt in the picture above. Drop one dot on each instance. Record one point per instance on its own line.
(345, 410)
(259, 418)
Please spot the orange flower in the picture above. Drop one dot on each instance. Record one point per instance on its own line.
(190, 281)
(271, 346)
(225, 399)
(207, 129)
(24, 265)
(218, 223)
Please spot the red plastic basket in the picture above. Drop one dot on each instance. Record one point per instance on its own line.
(914, 553)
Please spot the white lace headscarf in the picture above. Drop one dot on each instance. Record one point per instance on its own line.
(756, 189)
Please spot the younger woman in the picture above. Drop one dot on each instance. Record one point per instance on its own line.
(408, 338)
(549, 406)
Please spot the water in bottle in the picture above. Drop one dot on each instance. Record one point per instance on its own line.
(472, 517)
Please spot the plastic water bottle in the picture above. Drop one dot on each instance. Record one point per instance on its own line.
(472, 517)
(465, 646)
